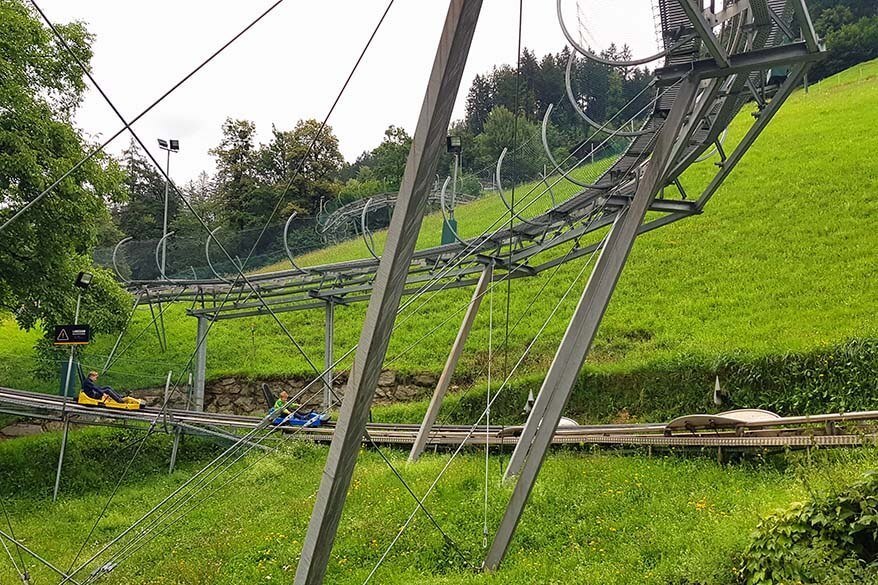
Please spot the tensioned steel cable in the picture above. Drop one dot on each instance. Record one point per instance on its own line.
(496, 395)
(23, 573)
(514, 181)
(136, 137)
(149, 108)
(23, 547)
(488, 403)
(340, 359)
(598, 248)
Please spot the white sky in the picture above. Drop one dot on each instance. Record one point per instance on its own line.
(292, 64)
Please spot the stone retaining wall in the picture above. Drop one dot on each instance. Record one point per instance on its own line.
(244, 396)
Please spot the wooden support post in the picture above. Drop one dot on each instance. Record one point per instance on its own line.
(329, 329)
(199, 366)
(61, 459)
(584, 323)
(427, 145)
(453, 357)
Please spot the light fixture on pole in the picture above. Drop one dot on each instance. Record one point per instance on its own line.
(454, 145)
(170, 146)
(83, 281)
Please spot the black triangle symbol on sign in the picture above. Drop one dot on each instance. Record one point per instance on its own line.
(63, 336)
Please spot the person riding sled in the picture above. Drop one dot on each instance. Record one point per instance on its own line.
(102, 393)
(281, 408)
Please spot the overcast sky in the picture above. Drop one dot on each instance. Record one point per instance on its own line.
(292, 64)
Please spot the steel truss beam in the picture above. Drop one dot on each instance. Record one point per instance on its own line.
(428, 141)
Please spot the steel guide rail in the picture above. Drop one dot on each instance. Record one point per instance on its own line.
(793, 431)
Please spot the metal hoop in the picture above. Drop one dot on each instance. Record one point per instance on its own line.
(210, 236)
(581, 112)
(369, 241)
(159, 245)
(445, 213)
(287, 245)
(115, 266)
(598, 59)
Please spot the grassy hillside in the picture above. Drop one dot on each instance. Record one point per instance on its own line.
(782, 260)
(593, 518)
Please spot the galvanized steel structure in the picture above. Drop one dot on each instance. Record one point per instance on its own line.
(715, 59)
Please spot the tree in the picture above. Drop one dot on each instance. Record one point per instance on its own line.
(503, 131)
(479, 103)
(142, 215)
(390, 156)
(236, 170)
(42, 251)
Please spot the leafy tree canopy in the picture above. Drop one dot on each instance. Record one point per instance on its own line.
(42, 251)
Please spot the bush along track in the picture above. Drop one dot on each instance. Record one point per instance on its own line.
(828, 540)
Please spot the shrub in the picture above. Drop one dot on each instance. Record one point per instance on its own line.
(831, 539)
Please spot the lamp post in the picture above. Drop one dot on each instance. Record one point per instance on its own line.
(170, 146)
(449, 224)
(83, 281)
(454, 146)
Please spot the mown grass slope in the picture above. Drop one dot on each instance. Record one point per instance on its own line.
(782, 260)
(593, 517)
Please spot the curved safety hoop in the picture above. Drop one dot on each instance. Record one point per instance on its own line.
(116, 266)
(598, 59)
(287, 245)
(503, 195)
(551, 158)
(210, 236)
(367, 235)
(571, 96)
(445, 213)
(158, 262)
(713, 149)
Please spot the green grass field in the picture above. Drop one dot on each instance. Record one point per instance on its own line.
(593, 518)
(781, 261)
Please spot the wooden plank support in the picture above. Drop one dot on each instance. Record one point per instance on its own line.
(427, 145)
(450, 365)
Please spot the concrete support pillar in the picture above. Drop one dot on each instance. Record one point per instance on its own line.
(453, 357)
(427, 145)
(584, 323)
(199, 365)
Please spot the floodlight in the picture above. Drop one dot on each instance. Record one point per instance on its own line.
(163, 143)
(83, 279)
(175, 145)
(453, 144)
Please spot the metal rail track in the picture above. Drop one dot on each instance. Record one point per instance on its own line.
(837, 429)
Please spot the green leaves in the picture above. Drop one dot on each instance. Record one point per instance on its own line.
(831, 539)
(41, 252)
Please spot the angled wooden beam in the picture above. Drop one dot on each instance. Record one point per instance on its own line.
(427, 145)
